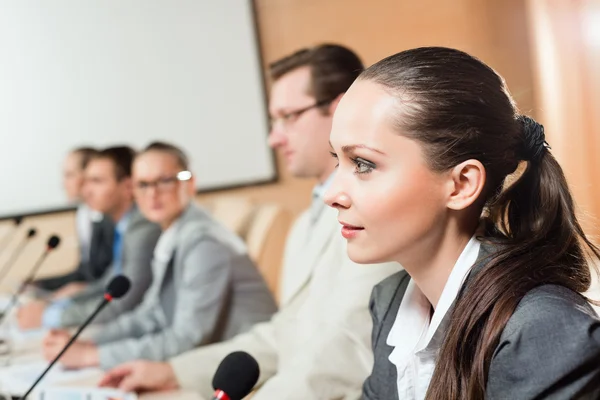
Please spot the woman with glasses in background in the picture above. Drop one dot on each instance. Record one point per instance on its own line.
(204, 289)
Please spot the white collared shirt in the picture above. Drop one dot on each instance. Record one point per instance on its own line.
(84, 219)
(416, 336)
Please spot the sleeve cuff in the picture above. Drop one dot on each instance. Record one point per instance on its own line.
(53, 313)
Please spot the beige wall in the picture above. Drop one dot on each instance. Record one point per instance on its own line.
(495, 31)
(492, 30)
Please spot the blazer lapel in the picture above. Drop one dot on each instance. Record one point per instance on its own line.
(160, 270)
(166, 288)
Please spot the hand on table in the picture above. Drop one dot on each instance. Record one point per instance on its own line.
(81, 354)
(30, 315)
(141, 376)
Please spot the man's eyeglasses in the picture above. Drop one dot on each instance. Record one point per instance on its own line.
(289, 117)
(165, 184)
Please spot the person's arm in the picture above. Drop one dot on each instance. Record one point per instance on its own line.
(201, 297)
(142, 319)
(56, 282)
(550, 348)
(331, 361)
(137, 257)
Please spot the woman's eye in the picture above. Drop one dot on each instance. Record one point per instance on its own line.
(363, 166)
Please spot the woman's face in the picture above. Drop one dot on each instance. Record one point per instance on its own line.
(160, 195)
(390, 202)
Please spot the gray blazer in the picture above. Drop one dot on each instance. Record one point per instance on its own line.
(138, 244)
(208, 291)
(533, 360)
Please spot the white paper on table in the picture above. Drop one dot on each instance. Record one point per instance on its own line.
(17, 379)
(82, 393)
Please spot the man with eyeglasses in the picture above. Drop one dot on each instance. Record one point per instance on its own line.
(107, 189)
(205, 288)
(317, 346)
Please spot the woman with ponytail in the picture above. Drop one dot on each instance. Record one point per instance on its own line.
(438, 171)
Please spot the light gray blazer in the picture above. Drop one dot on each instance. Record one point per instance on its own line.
(549, 349)
(139, 240)
(207, 292)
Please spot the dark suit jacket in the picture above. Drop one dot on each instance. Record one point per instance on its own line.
(549, 349)
(100, 258)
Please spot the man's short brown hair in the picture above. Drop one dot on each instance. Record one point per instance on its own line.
(121, 157)
(333, 69)
(85, 154)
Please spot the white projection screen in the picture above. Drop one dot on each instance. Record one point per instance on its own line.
(112, 72)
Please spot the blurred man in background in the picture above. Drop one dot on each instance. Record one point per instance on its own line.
(94, 233)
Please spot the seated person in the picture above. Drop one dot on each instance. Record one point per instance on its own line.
(205, 288)
(490, 303)
(317, 346)
(94, 233)
(107, 189)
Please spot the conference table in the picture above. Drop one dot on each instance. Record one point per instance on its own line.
(27, 351)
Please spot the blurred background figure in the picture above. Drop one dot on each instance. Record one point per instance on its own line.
(94, 233)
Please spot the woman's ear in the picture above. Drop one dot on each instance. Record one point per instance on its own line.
(467, 183)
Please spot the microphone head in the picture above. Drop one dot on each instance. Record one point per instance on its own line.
(53, 242)
(237, 374)
(18, 220)
(31, 232)
(118, 286)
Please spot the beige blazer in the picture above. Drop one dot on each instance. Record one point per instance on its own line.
(318, 345)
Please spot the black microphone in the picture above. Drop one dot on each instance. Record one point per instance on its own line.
(53, 242)
(117, 288)
(17, 251)
(8, 236)
(235, 377)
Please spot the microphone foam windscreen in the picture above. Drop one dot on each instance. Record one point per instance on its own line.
(118, 286)
(53, 241)
(237, 374)
(31, 233)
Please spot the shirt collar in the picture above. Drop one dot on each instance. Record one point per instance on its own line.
(413, 330)
(123, 223)
(96, 216)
